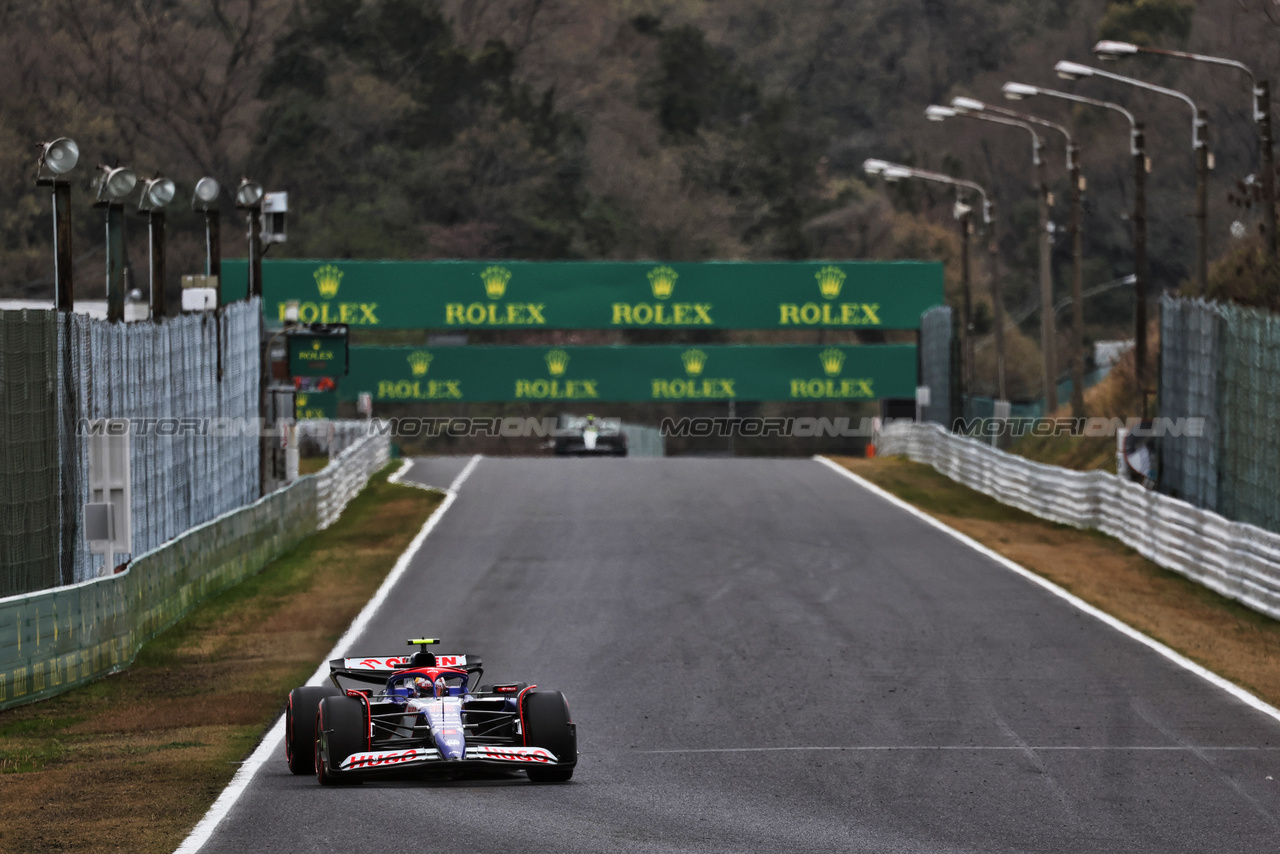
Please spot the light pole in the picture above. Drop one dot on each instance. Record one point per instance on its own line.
(936, 113)
(156, 193)
(1048, 323)
(57, 158)
(114, 186)
(1261, 105)
(963, 215)
(205, 200)
(1199, 142)
(1137, 147)
(249, 199)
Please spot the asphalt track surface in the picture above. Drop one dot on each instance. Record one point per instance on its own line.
(762, 656)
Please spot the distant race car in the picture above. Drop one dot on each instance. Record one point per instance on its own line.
(591, 435)
(425, 711)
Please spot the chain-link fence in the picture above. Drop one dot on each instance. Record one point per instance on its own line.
(37, 526)
(1191, 336)
(1249, 415)
(1221, 363)
(936, 363)
(193, 436)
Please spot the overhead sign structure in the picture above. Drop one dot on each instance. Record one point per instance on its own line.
(463, 295)
(631, 374)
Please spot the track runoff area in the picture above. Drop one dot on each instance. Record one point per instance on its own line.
(771, 655)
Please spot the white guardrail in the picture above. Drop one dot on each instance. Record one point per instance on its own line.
(339, 481)
(1239, 561)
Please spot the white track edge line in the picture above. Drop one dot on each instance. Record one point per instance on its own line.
(1124, 628)
(270, 744)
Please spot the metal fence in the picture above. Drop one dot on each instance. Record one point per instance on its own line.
(194, 437)
(1238, 560)
(1222, 363)
(36, 541)
(57, 639)
(936, 351)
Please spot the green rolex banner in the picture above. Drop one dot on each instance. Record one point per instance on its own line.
(308, 405)
(461, 295)
(618, 374)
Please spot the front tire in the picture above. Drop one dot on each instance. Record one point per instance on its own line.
(341, 730)
(547, 724)
(300, 726)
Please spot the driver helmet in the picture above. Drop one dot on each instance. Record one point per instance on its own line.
(422, 686)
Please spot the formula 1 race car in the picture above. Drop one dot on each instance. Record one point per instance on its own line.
(591, 435)
(425, 711)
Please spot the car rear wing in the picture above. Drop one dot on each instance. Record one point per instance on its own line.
(376, 669)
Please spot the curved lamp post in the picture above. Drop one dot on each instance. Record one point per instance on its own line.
(1261, 107)
(1199, 141)
(1048, 324)
(1137, 148)
(897, 172)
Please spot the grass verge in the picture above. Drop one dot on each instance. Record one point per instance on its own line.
(1219, 634)
(131, 762)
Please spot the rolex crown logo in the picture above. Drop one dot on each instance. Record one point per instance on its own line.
(328, 278)
(495, 281)
(830, 280)
(694, 361)
(557, 361)
(663, 281)
(419, 361)
(315, 345)
(832, 360)
(302, 400)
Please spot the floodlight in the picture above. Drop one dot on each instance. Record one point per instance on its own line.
(1110, 50)
(896, 173)
(116, 183)
(873, 166)
(1018, 91)
(207, 192)
(156, 193)
(935, 113)
(248, 194)
(1072, 70)
(60, 156)
(967, 105)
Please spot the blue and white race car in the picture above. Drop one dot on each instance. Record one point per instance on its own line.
(424, 710)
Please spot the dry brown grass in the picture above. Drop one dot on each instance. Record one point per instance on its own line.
(1236, 643)
(131, 762)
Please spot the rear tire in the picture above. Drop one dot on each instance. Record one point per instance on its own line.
(341, 730)
(547, 724)
(300, 726)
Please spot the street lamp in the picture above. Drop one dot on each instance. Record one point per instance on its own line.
(963, 214)
(114, 186)
(156, 193)
(1199, 141)
(1048, 324)
(1137, 147)
(249, 199)
(1261, 106)
(937, 113)
(57, 158)
(205, 200)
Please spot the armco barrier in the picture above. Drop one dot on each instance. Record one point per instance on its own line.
(1238, 560)
(55, 639)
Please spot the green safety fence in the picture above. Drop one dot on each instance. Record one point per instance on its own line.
(54, 640)
(1249, 412)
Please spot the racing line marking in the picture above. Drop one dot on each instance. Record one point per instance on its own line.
(1124, 628)
(269, 747)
